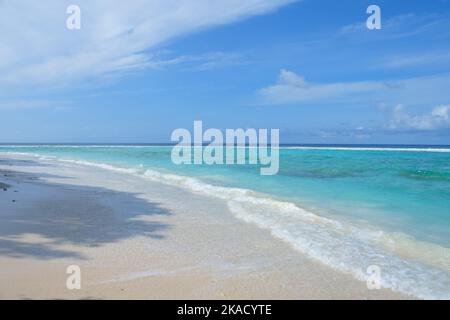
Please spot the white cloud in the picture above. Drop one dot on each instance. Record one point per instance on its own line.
(200, 62)
(397, 27)
(31, 104)
(400, 61)
(390, 23)
(438, 118)
(292, 88)
(115, 36)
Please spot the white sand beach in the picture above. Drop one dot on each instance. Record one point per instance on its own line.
(133, 238)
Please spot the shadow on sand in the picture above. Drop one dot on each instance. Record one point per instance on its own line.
(71, 214)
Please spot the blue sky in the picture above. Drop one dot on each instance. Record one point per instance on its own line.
(136, 71)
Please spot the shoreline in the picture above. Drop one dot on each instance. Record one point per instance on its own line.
(134, 238)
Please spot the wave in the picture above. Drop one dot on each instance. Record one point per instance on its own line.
(336, 148)
(399, 149)
(18, 146)
(409, 266)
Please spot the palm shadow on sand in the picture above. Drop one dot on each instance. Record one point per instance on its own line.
(85, 216)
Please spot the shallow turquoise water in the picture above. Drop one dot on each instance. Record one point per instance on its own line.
(398, 190)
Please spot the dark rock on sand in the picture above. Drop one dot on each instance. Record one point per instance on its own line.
(4, 186)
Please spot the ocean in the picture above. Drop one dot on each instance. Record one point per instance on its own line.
(349, 207)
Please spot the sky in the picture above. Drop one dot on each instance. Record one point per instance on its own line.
(137, 70)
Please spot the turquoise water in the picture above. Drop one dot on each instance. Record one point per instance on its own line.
(402, 193)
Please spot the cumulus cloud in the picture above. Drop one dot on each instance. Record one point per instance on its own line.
(438, 118)
(292, 87)
(115, 36)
